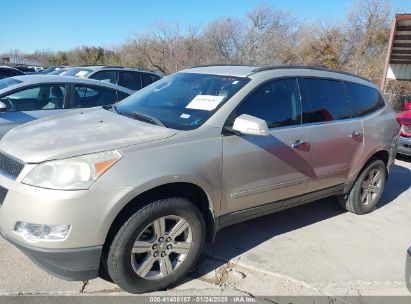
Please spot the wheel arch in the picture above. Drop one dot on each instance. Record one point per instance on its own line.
(189, 190)
(381, 154)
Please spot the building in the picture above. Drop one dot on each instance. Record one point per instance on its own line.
(16, 61)
(396, 81)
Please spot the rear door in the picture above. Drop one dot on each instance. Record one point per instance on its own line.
(88, 96)
(337, 137)
(264, 169)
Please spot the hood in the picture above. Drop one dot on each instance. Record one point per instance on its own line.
(76, 133)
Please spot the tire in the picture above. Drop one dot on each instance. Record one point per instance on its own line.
(103, 273)
(156, 224)
(354, 200)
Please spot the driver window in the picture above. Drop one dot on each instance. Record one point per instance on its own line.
(277, 102)
(46, 97)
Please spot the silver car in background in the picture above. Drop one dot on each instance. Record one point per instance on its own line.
(26, 98)
(131, 192)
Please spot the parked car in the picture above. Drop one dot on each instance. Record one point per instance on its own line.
(26, 98)
(59, 71)
(37, 68)
(132, 79)
(404, 119)
(6, 71)
(131, 192)
(26, 70)
(52, 69)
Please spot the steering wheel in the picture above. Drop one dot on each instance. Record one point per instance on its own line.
(10, 106)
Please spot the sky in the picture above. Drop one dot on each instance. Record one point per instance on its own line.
(29, 25)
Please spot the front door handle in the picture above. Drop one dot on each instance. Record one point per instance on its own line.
(358, 136)
(301, 145)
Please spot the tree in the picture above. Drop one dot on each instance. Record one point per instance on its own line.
(367, 32)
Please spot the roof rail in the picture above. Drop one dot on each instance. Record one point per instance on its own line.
(103, 66)
(114, 66)
(220, 64)
(86, 65)
(307, 67)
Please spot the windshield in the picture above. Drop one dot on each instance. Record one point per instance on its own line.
(78, 72)
(7, 82)
(50, 69)
(182, 101)
(57, 72)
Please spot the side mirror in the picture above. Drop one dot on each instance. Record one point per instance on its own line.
(250, 125)
(407, 106)
(3, 107)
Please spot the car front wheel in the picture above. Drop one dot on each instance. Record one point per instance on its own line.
(157, 246)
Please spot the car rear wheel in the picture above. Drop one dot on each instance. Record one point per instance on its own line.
(367, 189)
(157, 246)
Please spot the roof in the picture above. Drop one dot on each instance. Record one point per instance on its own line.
(232, 70)
(102, 67)
(245, 70)
(43, 79)
(398, 59)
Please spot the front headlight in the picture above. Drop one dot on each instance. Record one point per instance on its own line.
(74, 173)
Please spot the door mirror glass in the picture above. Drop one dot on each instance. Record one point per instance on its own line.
(250, 125)
(3, 107)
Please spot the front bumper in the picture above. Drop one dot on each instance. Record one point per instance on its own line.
(79, 264)
(404, 146)
(89, 213)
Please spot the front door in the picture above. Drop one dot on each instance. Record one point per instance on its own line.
(262, 169)
(31, 103)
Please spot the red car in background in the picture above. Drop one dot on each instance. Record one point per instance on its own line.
(404, 119)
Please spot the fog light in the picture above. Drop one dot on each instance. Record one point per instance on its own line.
(41, 232)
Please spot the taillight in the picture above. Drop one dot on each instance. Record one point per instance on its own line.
(399, 120)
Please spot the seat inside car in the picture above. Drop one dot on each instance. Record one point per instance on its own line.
(57, 97)
(52, 98)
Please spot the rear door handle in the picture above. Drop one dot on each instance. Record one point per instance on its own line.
(301, 145)
(358, 136)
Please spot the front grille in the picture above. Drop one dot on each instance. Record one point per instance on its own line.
(9, 166)
(406, 129)
(3, 193)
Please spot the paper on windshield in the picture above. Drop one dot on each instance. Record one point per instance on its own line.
(205, 102)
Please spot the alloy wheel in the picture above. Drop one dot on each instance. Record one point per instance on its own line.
(371, 187)
(161, 247)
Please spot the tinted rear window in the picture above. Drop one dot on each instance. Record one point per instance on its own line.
(148, 78)
(130, 80)
(7, 73)
(328, 99)
(363, 99)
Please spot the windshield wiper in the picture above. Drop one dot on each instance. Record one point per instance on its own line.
(111, 108)
(144, 117)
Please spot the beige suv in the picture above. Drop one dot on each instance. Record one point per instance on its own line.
(131, 192)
